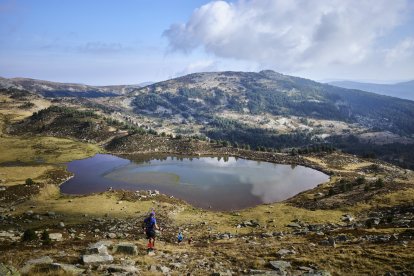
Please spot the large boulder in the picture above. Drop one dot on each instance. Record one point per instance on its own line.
(126, 248)
(55, 236)
(68, 268)
(96, 258)
(97, 249)
(34, 262)
(280, 266)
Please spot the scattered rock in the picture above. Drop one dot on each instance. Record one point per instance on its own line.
(127, 248)
(68, 268)
(347, 218)
(129, 269)
(164, 269)
(283, 252)
(111, 235)
(294, 225)
(33, 262)
(97, 248)
(96, 258)
(267, 235)
(55, 236)
(280, 266)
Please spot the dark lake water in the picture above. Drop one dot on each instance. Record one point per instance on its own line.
(226, 183)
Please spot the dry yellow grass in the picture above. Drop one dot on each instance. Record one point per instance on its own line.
(12, 175)
(96, 205)
(357, 165)
(43, 149)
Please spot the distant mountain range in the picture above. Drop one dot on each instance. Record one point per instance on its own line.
(404, 90)
(56, 89)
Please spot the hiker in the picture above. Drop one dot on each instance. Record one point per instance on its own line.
(150, 227)
(180, 237)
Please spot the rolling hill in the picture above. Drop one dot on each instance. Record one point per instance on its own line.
(201, 95)
(403, 90)
(56, 89)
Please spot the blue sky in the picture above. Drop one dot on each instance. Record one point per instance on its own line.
(127, 42)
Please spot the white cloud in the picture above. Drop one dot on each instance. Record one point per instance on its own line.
(288, 34)
(402, 51)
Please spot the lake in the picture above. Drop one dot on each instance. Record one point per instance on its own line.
(219, 183)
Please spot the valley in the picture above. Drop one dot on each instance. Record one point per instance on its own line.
(359, 222)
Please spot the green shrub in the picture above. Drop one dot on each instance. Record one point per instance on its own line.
(29, 181)
(379, 183)
(45, 237)
(29, 235)
(360, 180)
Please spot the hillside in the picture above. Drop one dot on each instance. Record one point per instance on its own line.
(56, 89)
(359, 222)
(201, 95)
(403, 90)
(274, 111)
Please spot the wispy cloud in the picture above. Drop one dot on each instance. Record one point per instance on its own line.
(97, 47)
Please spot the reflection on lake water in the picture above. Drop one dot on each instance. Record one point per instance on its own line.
(224, 183)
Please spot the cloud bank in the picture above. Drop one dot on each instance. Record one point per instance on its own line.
(291, 34)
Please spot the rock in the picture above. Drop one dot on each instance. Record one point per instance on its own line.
(129, 269)
(61, 224)
(347, 218)
(294, 225)
(267, 235)
(29, 213)
(317, 273)
(55, 236)
(96, 258)
(127, 248)
(68, 268)
(224, 236)
(111, 235)
(5, 234)
(283, 252)
(342, 238)
(33, 262)
(278, 234)
(151, 253)
(176, 265)
(164, 269)
(51, 214)
(97, 249)
(250, 223)
(306, 268)
(8, 270)
(152, 268)
(280, 266)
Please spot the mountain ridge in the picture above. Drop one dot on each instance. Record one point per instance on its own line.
(58, 89)
(403, 90)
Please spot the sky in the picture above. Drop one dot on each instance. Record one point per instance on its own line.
(103, 42)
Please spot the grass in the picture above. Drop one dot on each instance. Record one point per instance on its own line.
(13, 175)
(33, 157)
(44, 149)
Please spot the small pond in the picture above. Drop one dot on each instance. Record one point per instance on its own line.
(219, 183)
